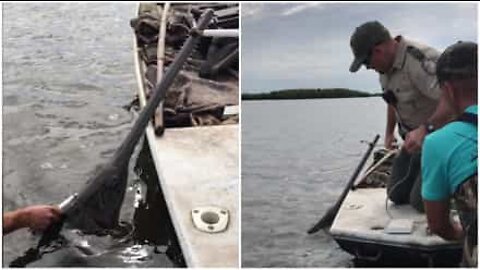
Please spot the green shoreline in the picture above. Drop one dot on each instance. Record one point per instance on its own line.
(308, 94)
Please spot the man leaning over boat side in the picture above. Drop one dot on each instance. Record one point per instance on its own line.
(409, 84)
(35, 217)
(449, 156)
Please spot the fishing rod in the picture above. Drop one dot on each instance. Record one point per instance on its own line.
(328, 218)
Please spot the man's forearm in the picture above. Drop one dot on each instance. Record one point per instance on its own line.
(443, 113)
(391, 120)
(13, 221)
(448, 232)
(438, 217)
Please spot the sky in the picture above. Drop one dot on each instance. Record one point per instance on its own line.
(307, 45)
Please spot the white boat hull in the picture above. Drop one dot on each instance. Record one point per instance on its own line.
(364, 226)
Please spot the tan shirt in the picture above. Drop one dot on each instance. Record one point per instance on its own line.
(413, 82)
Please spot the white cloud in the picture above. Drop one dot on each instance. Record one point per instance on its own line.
(295, 47)
(254, 10)
(257, 11)
(297, 8)
(311, 60)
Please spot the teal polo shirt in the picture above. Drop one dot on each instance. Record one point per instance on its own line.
(449, 156)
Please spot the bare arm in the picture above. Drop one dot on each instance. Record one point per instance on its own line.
(442, 115)
(12, 221)
(439, 220)
(37, 218)
(390, 129)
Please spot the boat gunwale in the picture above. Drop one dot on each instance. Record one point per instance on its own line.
(140, 67)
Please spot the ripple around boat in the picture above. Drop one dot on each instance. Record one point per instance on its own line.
(193, 137)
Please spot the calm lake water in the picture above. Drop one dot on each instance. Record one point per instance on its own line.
(297, 156)
(67, 72)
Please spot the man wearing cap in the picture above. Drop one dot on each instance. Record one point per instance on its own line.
(449, 155)
(409, 84)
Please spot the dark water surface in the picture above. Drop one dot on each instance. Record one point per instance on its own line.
(297, 156)
(67, 72)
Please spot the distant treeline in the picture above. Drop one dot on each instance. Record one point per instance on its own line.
(308, 94)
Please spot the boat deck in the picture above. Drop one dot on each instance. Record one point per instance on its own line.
(197, 161)
(368, 227)
(198, 167)
(372, 220)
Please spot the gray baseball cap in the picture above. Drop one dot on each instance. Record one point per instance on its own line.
(365, 37)
(458, 61)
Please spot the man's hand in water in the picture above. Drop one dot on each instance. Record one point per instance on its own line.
(37, 218)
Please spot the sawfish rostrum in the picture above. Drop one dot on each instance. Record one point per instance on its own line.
(98, 206)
